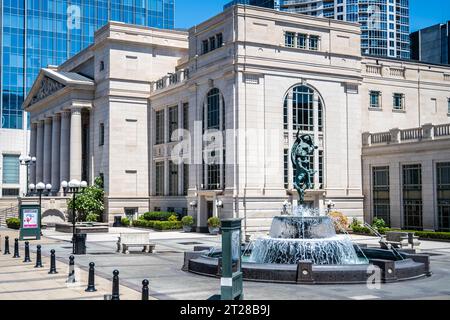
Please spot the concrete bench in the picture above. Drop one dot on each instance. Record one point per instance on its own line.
(130, 240)
(395, 239)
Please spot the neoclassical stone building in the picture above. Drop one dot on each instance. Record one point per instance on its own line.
(227, 97)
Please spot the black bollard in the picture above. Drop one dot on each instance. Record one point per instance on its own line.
(16, 249)
(91, 279)
(27, 252)
(6, 246)
(71, 277)
(38, 258)
(145, 284)
(115, 287)
(52, 263)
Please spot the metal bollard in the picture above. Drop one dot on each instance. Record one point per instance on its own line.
(145, 290)
(91, 279)
(6, 246)
(16, 249)
(115, 287)
(38, 257)
(27, 252)
(71, 277)
(52, 263)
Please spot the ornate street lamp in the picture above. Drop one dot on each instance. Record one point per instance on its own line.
(27, 161)
(73, 187)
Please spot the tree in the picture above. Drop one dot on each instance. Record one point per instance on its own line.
(90, 202)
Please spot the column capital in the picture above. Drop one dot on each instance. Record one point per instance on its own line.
(56, 116)
(48, 120)
(75, 110)
(65, 113)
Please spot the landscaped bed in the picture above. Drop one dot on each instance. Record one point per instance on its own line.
(160, 221)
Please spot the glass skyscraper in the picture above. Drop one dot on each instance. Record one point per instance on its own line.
(38, 33)
(384, 23)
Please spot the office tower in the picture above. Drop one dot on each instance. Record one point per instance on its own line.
(259, 3)
(432, 44)
(35, 34)
(384, 23)
(38, 33)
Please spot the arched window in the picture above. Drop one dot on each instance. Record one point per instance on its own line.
(214, 119)
(303, 110)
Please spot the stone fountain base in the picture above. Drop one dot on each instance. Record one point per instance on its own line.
(413, 266)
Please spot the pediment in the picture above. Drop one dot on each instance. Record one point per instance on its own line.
(47, 87)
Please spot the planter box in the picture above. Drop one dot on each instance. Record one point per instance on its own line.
(83, 228)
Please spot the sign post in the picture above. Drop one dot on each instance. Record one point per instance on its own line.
(232, 277)
(30, 222)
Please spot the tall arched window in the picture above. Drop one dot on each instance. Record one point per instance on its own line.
(214, 119)
(303, 110)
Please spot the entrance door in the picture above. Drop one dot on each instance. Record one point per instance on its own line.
(210, 208)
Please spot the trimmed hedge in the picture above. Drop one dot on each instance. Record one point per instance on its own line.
(13, 223)
(431, 235)
(158, 225)
(158, 216)
(125, 222)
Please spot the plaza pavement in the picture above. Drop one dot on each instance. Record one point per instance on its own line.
(169, 282)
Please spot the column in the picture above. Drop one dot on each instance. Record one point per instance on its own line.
(56, 141)
(64, 159)
(33, 148)
(47, 155)
(40, 152)
(75, 144)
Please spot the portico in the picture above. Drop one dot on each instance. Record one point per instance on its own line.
(58, 119)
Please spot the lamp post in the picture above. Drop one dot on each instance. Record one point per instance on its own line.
(330, 206)
(73, 187)
(40, 188)
(27, 161)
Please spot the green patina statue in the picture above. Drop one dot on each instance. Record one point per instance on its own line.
(302, 151)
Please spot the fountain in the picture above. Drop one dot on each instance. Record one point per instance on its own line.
(303, 247)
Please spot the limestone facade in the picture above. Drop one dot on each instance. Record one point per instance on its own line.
(249, 77)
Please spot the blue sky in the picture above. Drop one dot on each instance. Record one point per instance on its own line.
(423, 12)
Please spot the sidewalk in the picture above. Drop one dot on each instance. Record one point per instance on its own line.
(21, 281)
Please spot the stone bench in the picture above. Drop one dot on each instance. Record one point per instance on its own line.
(129, 240)
(394, 239)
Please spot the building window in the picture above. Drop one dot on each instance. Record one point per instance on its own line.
(412, 197)
(303, 109)
(173, 123)
(443, 194)
(286, 168)
(399, 101)
(101, 138)
(314, 43)
(11, 169)
(6, 192)
(102, 65)
(173, 179)
(375, 99)
(213, 109)
(289, 39)
(219, 40)
(212, 43)
(157, 209)
(381, 195)
(185, 179)
(448, 106)
(205, 46)
(302, 41)
(186, 116)
(159, 179)
(159, 127)
(213, 182)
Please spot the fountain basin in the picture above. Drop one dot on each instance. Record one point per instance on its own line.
(392, 269)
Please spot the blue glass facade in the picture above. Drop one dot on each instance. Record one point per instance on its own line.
(38, 33)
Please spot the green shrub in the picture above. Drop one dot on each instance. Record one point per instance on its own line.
(92, 217)
(173, 218)
(158, 216)
(214, 222)
(158, 225)
(430, 235)
(187, 221)
(125, 222)
(378, 224)
(361, 229)
(13, 223)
